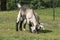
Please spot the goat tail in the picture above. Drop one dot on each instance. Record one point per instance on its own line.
(18, 5)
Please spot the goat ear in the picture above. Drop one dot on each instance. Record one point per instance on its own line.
(18, 5)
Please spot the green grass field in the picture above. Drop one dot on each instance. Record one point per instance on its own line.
(51, 32)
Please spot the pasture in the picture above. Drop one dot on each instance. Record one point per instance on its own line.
(51, 32)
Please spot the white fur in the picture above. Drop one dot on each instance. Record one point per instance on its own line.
(19, 6)
(18, 17)
(29, 17)
(24, 29)
(33, 28)
(24, 21)
(42, 26)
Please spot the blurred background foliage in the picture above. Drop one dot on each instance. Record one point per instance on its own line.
(35, 4)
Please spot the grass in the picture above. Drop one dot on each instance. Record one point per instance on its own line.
(51, 32)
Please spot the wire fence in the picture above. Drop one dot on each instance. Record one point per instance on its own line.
(47, 14)
(35, 5)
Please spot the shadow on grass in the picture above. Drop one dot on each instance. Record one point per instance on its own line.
(42, 31)
(45, 31)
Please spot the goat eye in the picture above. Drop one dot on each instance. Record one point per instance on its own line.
(40, 27)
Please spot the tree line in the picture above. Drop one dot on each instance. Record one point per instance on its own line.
(35, 4)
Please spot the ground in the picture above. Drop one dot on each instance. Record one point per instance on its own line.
(51, 32)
